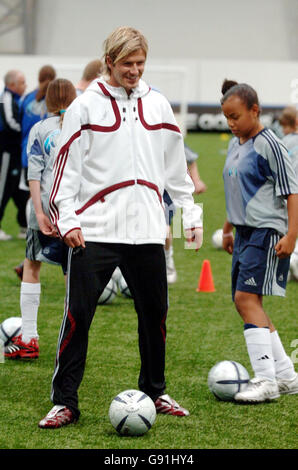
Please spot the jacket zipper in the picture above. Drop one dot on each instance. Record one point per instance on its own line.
(131, 112)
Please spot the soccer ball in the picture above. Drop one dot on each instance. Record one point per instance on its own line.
(9, 328)
(132, 413)
(227, 378)
(206, 121)
(117, 274)
(217, 238)
(220, 122)
(109, 293)
(123, 287)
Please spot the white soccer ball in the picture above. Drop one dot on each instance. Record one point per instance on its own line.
(132, 413)
(117, 274)
(123, 287)
(217, 238)
(220, 122)
(109, 293)
(9, 328)
(227, 378)
(206, 121)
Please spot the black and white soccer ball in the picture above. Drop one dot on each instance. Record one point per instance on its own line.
(220, 122)
(132, 413)
(9, 328)
(206, 121)
(109, 293)
(117, 274)
(123, 287)
(216, 239)
(226, 378)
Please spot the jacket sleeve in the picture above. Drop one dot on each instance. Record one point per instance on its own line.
(67, 173)
(11, 112)
(178, 182)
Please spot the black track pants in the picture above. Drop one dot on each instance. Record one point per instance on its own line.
(144, 269)
(9, 184)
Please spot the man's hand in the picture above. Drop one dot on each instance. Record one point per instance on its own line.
(75, 238)
(195, 236)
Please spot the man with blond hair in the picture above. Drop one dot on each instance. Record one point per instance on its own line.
(120, 147)
(10, 148)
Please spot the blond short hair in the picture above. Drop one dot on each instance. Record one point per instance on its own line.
(123, 42)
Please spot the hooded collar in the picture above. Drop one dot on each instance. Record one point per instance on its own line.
(118, 92)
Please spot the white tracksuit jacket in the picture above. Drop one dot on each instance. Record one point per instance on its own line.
(116, 155)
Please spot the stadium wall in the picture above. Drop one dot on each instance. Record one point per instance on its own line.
(230, 29)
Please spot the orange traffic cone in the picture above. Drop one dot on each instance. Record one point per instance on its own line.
(205, 283)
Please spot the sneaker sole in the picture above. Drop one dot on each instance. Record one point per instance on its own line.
(251, 400)
(41, 426)
(169, 413)
(17, 356)
(290, 392)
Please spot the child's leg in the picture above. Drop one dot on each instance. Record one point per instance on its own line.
(29, 299)
(284, 367)
(257, 334)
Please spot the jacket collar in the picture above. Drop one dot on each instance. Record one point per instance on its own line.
(101, 86)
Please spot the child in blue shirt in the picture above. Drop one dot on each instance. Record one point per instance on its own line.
(261, 192)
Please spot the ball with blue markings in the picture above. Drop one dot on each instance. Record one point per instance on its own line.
(226, 378)
(123, 288)
(10, 328)
(109, 293)
(132, 413)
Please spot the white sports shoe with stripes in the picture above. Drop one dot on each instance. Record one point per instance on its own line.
(288, 387)
(258, 390)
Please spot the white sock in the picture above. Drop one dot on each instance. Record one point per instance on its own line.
(258, 342)
(29, 302)
(284, 367)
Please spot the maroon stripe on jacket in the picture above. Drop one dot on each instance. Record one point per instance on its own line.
(101, 194)
(151, 186)
(154, 127)
(63, 154)
(103, 89)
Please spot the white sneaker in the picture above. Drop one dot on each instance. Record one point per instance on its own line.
(258, 390)
(4, 236)
(288, 387)
(171, 270)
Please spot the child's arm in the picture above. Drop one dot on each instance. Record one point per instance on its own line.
(286, 244)
(43, 221)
